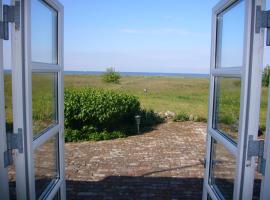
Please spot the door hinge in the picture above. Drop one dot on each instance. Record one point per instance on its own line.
(11, 14)
(14, 141)
(263, 21)
(256, 149)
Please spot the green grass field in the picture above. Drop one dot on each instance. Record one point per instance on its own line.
(176, 94)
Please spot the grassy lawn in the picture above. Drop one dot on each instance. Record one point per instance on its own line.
(176, 94)
(163, 93)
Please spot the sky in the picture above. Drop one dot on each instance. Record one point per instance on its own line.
(172, 36)
(142, 35)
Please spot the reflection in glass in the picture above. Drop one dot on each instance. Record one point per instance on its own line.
(8, 101)
(227, 106)
(57, 196)
(46, 165)
(257, 183)
(43, 32)
(9, 128)
(230, 41)
(44, 101)
(222, 172)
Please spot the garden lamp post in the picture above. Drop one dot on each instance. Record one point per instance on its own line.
(138, 121)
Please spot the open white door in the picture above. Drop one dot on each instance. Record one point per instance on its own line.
(42, 42)
(234, 100)
(37, 92)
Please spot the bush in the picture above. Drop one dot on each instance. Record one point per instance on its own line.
(99, 109)
(83, 135)
(111, 76)
(96, 114)
(199, 119)
(150, 118)
(181, 117)
(265, 77)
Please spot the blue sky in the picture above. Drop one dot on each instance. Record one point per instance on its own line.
(141, 35)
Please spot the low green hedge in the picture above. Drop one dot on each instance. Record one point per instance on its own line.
(100, 109)
(98, 114)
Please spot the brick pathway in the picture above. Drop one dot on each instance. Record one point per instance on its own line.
(165, 163)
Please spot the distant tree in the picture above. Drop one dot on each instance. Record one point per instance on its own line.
(111, 76)
(266, 75)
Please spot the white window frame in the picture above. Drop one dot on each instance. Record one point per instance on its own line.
(22, 100)
(250, 74)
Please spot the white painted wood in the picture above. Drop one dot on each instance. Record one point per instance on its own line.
(230, 146)
(22, 100)
(44, 67)
(49, 133)
(18, 109)
(4, 188)
(253, 61)
(235, 72)
(250, 74)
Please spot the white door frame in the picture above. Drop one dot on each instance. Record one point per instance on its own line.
(22, 102)
(4, 188)
(250, 74)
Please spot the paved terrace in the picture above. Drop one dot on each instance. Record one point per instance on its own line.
(165, 163)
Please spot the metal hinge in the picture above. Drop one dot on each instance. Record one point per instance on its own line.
(263, 21)
(256, 148)
(11, 14)
(14, 141)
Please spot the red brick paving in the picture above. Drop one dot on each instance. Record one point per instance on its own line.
(165, 163)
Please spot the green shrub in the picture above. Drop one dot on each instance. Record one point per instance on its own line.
(150, 118)
(111, 76)
(199, 119)
(96, 114)
(265, 77)
(83, 135)
(100, 109)
(181, 117)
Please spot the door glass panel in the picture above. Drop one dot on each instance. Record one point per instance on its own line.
(46, 165)
(8, 100)
(57, 196)
(43, 33)
(230, 41)
(9, 108)
(222, 170)
(9, 128)
(227, 106)
(44, 101)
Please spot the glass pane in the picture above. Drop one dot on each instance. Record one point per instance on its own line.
(9, 111)
(46, 165)
(230, 41)
(227, 106)
(222, 172)
(8, 99)
(44, 101)
(57, 196)
(43, 33)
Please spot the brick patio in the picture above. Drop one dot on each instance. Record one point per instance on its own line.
(165, 163)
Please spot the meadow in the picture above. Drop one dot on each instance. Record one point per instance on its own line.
(161, 94)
